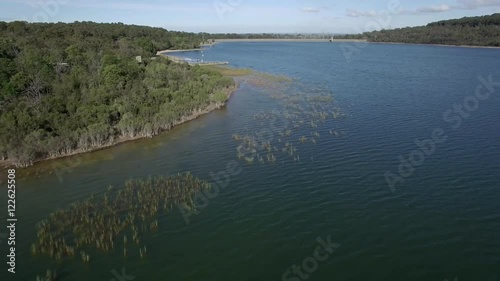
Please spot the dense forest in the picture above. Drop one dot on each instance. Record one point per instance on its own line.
(75, 87)
(472, 31)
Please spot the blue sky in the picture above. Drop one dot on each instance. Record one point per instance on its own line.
(242, 16)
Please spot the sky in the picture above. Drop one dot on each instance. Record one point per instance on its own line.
(250, 16)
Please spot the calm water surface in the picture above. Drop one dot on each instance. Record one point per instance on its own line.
(442, 222)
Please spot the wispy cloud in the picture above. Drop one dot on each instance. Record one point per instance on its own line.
(473, 4)
(438, 8)
(355, 13)
(115, 5)
(434, 9)
(310, 10)
(129, 6)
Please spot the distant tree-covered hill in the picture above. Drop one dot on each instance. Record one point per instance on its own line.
(472, 31)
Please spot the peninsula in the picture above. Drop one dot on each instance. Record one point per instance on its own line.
(72, 88)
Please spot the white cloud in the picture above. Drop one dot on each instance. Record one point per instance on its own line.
(309, 10)
(439, 8)
(355, 13)
(434, 9)
(472, 4)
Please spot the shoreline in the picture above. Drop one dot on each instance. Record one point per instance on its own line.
(177, 59)
(438, 45)
(5, 164)
(177, 51)
(289, 40)
(322, 40)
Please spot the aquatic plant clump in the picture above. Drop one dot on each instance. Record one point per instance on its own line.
(49, 276)
(301, 117)
(229, 71)
(268, 81)
(101, 223)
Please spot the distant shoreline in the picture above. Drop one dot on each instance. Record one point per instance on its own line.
(175, 58)
(438, 45)
(203, 46)
(176, 51)
(349, 40)
(289, 40)
(323, 40)
(182, 60)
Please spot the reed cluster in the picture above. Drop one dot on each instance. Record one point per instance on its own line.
(98, 223)
(49, 276)
(304, 108)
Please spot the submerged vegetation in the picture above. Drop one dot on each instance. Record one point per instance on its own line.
(277, 83)
(303, 109)
(49, 276)
(229, 71)
(106, 223)
(69, 88)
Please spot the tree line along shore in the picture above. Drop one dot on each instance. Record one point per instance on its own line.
(483, 31)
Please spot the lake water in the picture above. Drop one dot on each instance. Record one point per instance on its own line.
(442, 221)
